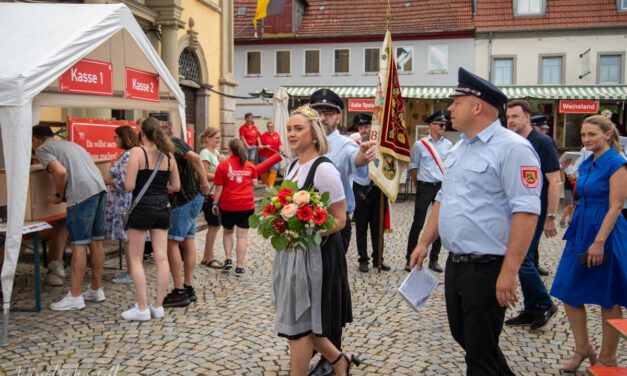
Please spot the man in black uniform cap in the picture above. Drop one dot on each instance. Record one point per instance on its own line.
(426, 170)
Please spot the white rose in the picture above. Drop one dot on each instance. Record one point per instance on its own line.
(301, 197)
(289, 211)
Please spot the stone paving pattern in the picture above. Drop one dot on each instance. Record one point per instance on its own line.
(229, 331)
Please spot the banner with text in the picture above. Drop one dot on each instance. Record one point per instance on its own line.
(96, 135)
(88, 77)
(142, 85)
(579, 107)
(360, 104)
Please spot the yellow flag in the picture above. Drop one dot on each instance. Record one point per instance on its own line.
(262, 9)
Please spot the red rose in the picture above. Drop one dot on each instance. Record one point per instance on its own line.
(278, 225)
(305, 213)
(283, 195)
(269, 210)
(319, 216)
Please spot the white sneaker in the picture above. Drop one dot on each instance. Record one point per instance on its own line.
(53, 279)
(94, 295)
(123, 278)
(68, 303)
(157, 313)
(56, 267)
(136, 314)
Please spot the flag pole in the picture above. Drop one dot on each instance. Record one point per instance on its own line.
(381, 227)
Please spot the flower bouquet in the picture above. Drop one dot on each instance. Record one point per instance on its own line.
(293, 218)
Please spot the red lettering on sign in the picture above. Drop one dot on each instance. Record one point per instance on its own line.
(579, 107)
(142, 85)
(96, 136)
(360, 105)
(88, 77)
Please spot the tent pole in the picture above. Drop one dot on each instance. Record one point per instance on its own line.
(5, 328)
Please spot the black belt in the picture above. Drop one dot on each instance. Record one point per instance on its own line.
(477, 259)
(433, 183)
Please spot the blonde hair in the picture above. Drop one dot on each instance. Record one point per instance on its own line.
(207, 133)
(605, 125)
(317, 131)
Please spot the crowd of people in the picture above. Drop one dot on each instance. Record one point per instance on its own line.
(492, 196)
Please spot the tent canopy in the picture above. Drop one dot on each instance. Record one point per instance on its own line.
(41, 42)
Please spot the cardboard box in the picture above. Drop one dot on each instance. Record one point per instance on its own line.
(39, 188)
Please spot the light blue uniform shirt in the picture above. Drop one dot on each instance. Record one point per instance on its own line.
(486, 181)
(361, 174)
(342, 152)
(422, 160)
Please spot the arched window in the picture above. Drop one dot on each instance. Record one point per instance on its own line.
(189, 67)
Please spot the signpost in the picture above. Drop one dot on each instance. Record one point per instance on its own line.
(579, 106)
(88, 77)
(142, 85)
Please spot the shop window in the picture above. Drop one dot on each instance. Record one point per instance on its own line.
(283, 62)
(551, 73)
(529, 7)
(405, 59)
(312, 62)
(189, 67)
(341, 60)
(438, 58)
(610, 69)
(371, 60)
(503, 71)
(253, 63)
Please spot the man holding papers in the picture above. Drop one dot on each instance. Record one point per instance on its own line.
(489, 200)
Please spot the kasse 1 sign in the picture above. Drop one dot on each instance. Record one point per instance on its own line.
(142, 85)
(88, 77)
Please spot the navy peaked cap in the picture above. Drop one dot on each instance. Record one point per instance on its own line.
(471, 84)
(540, 121)
(326, 98)
(362, 119)
(439, 115)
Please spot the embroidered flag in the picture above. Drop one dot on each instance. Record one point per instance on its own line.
(529, 176)
(268, 8)
(388, 126)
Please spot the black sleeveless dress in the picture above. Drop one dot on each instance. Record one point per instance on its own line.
(335, 298)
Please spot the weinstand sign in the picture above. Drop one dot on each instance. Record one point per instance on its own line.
(579, 106)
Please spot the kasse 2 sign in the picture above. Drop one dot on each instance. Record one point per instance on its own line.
(142, 85)
(88, 77)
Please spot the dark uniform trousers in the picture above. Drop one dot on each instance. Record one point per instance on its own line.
(425, 196)
(475, 316)
(345, 233)
(367, 212)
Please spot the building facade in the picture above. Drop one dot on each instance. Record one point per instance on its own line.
(556, 54)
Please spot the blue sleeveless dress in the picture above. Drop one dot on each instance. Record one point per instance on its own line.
(606, 284)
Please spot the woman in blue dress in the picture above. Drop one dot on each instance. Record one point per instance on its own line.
(598, 228)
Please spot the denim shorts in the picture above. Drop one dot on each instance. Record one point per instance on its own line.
(85, 221)
(183, 220)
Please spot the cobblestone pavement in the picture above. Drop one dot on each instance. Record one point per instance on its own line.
(229, 331)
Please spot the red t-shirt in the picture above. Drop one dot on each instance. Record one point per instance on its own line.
(237, 187)
(272, 140)
(250, 134)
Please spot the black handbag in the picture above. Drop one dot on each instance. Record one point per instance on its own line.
(127, 214)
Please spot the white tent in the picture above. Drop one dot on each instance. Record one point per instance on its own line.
(280, 116)
(39, 43)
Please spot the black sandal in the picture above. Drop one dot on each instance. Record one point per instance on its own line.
(213, 263)
(353, 360)
(228, 265)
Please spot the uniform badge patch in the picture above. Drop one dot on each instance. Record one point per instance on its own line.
(529, 176)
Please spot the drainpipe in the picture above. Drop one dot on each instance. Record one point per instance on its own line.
(489, 56)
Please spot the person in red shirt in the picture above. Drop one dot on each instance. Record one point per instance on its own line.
(235, 200)
(249, 134)
(270, 144)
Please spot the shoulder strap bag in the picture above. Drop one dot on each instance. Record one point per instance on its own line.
(127, 214)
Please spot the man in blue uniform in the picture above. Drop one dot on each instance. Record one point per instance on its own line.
(490, 197)
(426, 169)
(347, 156)
(367, 204)
(539, 307)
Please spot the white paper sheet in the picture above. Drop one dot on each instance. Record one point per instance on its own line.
(417, 287)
